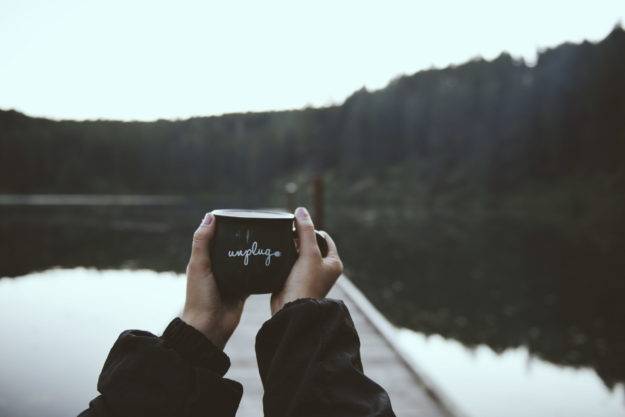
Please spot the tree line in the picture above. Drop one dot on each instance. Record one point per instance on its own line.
(496, 124)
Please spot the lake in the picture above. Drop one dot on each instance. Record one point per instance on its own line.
(506, 315)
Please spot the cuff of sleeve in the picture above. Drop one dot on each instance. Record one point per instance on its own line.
(306, 310)
(194, 347)
(297, 302)
(310, 303)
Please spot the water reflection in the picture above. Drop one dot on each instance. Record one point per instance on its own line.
(154, 237)
(503, 281)
(513, 383)
(59, 325)
(62, 323)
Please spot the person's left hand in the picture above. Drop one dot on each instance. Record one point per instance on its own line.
(204, 307)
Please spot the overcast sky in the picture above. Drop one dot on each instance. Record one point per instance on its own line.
(130, 59)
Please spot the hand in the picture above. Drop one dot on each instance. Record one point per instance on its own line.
(312, 275)
(204, 307)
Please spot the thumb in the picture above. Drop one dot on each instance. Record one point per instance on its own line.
(201, 240)
(306, 233)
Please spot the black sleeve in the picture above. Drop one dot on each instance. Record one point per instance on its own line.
(178, 374)
(309, 361)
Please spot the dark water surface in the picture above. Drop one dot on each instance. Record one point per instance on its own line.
(501, 282)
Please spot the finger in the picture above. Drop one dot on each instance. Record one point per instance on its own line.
(306, 233)
(201, 241)
(332, 251)
(332, 259)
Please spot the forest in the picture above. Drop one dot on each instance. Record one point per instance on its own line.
(483, 129)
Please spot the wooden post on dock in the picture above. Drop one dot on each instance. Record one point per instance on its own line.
(290, 189)
(318, 202)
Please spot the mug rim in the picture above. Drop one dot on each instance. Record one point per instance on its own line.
(253, 214)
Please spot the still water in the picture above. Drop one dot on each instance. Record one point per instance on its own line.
(59, 326)
(503, 315)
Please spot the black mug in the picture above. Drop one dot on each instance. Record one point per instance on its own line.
(253, 251)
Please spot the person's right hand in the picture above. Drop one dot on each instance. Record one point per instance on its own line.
(204, 307)
(312, 275)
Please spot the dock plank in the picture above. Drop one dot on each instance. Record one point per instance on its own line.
(382, 362)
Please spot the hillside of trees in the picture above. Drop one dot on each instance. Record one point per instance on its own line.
(496, 126)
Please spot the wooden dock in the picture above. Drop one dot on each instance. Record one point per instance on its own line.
(412, 394)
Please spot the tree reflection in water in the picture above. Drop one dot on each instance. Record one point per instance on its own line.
(504, 281)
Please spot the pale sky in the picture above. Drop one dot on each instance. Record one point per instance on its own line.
(131, 59)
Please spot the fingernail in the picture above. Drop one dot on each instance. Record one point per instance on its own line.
(208, 219)
(301, 213)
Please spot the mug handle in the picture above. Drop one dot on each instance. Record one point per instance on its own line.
(321, 241)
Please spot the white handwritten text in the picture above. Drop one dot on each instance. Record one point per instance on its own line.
(254, 251)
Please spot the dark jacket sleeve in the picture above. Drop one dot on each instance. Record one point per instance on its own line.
(177, 374)
(309, 361)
